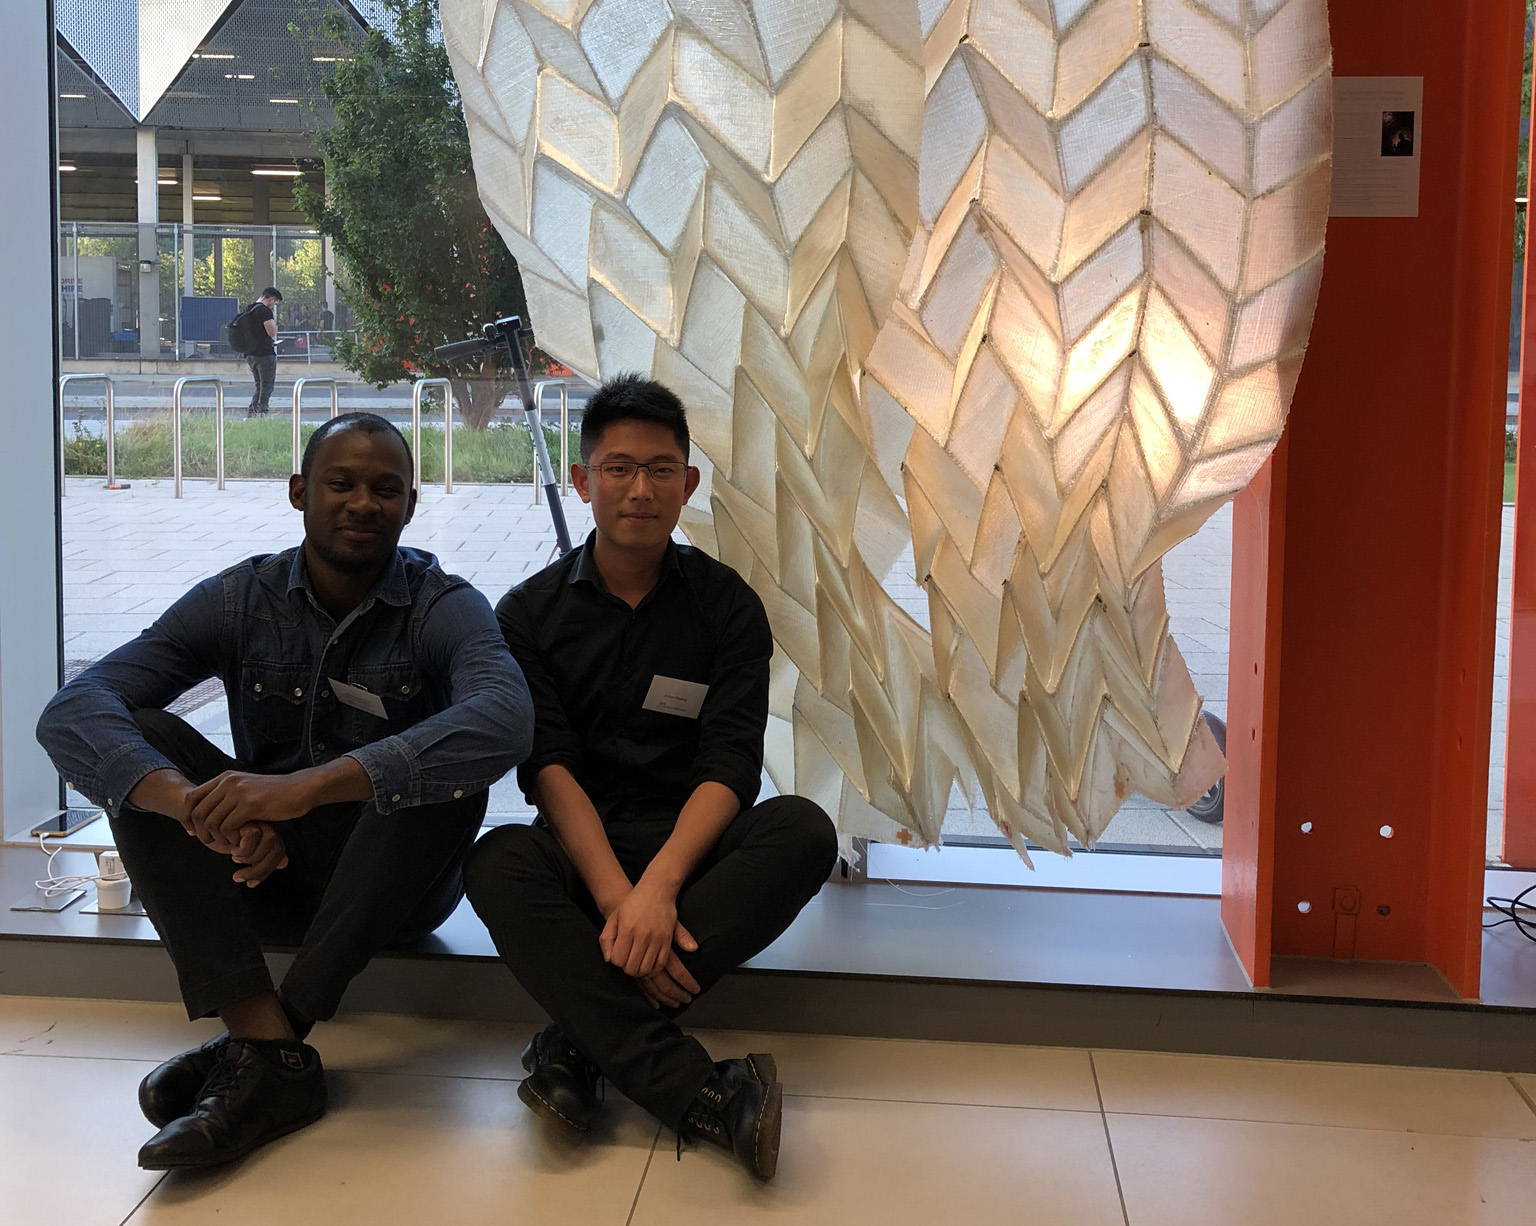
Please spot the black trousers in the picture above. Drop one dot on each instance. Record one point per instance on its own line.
(770, 862)
(264, 371)
(357, 881)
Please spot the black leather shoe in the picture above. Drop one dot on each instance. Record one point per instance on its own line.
(172, 1089)
(741, 1114)
(257, 1092)
(561, 1084)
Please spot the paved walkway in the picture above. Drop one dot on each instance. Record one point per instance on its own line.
(129, 554)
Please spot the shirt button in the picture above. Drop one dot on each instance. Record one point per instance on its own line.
(298, 692)
(320, 745)
(458, 792)
(405, 689)
(396, 796)
(257, 687)
(325, 693)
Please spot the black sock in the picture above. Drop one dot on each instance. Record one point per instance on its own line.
(288, 1053)
(301, 1024)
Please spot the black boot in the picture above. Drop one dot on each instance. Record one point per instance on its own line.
(173, 1088)
(740, 1113)
(258, 1091)
(562, 1083)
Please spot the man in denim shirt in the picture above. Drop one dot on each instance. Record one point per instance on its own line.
(372, 702)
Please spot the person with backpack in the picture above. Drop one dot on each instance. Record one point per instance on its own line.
(259, 326)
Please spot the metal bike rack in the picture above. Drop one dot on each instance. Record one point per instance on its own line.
(298, 397)
(416, 393)
(565, 432)
(218, 427)
(111, 432)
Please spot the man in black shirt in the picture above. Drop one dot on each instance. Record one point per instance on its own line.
(263, 358)
(650, 872)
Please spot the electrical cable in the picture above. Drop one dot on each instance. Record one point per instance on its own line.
(1511, 908)
(53, 885)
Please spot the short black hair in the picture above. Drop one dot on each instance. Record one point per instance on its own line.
(270, 292)
(368, 423)
(632, 397)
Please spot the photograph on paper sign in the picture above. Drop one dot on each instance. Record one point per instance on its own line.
(1397, 134)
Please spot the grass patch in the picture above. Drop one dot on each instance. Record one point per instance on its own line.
(1509, 480)
(263, 447)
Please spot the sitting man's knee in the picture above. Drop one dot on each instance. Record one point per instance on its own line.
(809, 828)
(498, 854)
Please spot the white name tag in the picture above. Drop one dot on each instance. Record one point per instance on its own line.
(357, 697)
(673, 697)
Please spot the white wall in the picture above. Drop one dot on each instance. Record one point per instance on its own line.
(29, 505)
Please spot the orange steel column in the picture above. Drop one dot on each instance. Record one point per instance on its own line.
(1248, 831)
(1377, 686)
(1519, 847)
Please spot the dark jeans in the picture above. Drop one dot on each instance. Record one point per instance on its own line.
(768, 864)
(264, 371)
(356, 882)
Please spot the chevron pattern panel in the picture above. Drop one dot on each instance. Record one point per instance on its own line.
(1003, 297)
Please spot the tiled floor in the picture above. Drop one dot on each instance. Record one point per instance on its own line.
(426, 1128)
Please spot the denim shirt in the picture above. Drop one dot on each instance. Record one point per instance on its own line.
(424, 644)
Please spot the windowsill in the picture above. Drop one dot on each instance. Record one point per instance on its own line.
(1064, 938)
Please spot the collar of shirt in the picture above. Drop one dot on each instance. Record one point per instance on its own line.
(585, 569)
(392, 586)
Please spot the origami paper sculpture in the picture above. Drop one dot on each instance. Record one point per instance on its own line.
(1006, 295)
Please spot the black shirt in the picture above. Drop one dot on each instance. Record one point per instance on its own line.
(591, 662)
(260, 313)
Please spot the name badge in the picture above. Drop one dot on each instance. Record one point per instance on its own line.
(673, 697)
(358, 698)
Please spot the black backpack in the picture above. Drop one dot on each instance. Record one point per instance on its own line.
(241, 331)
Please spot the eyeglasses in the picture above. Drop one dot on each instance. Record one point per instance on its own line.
(623, 472)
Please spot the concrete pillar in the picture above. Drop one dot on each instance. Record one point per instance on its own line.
(261, 244)
(29, 505)
(149, 259)
(328, 263)
(185, 288)
(187, 212)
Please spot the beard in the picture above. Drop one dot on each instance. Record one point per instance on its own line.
(357, 561)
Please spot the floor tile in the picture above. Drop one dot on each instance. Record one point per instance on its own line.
(361, 1042)
(401, 1149)
(100, 1029)
(1291, 1092)
(58, 1115)
(384, 1043)
(1187, 1172)
(981, 1074)
(846, 1161)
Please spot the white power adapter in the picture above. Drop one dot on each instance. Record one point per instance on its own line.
(113, 889)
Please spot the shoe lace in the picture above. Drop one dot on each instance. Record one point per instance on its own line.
(222, 1078)
(705, 1115)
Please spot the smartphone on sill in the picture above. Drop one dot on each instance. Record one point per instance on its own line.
(65, 822)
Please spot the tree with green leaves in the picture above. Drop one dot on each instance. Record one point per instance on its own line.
(419, 262)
